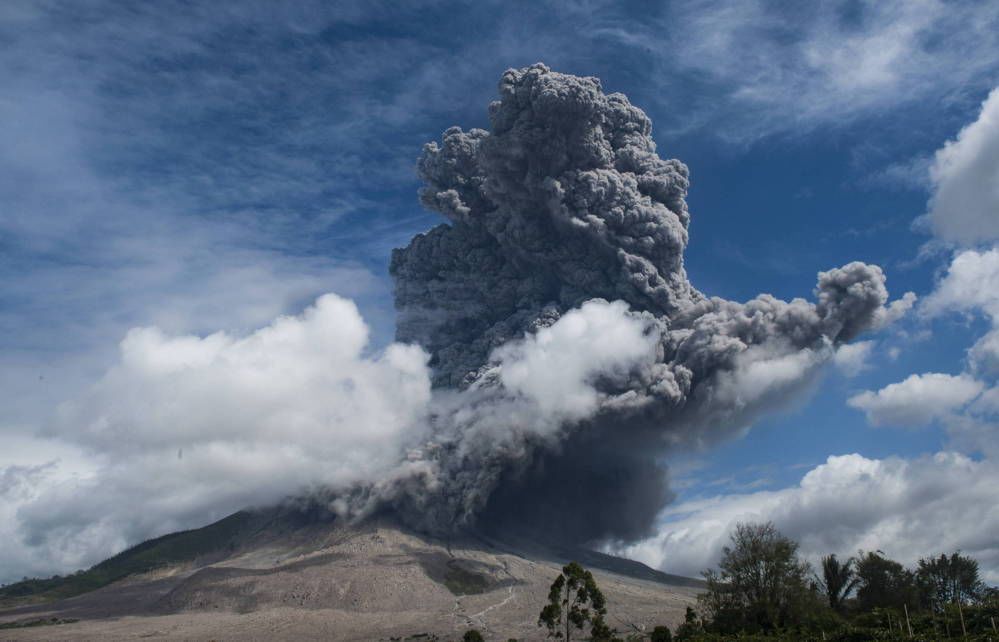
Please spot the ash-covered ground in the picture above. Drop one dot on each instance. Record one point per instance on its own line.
(279, 575)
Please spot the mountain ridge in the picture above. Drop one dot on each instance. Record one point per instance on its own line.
(296, 567)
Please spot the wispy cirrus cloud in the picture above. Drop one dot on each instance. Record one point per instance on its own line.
(193, 167)
(758, 68)
(209, 167)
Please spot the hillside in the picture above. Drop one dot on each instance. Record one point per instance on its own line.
(175, 548)
(256, 575)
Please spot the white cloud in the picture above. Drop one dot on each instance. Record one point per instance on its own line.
(851, 358)
(984, 355)
(194, 426)
(908, 508)
(918, 507)
(987, 403)
(764, 371)
(185, 429)
(782, 69)
(555, 367)
(898, 308)
(918, 400)
(911, 174)
(299, 380)
(971, 283)
(965, 204)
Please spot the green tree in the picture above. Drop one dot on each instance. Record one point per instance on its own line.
(472, 635)
(883, 583)
(838, 579)
(574, 601)
(661, 634)
(761, 583)
(948, 579)
(691, 626)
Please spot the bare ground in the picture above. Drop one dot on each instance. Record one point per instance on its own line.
(374, 583)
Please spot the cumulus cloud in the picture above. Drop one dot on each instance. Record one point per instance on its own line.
(907, 508)
(965, 204)
(963, 211)
(190, 428)
(555, 367)
(301, 381)
(971, 282)
(20, 485)
(984, 354)
(552, 315)
(917, 400)
(971, 285)
(851, 359)
(898, 308)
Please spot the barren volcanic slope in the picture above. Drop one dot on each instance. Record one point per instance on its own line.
(284, 575)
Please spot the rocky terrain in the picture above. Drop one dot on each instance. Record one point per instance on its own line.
(280, 578)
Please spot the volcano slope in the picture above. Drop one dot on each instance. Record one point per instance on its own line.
(292, 574)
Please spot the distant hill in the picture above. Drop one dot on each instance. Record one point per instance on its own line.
(183, 546)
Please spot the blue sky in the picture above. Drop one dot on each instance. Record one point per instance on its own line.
(206, 167)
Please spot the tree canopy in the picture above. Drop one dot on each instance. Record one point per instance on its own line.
(948, 579)
(883, 583)
(763, 590)
(760, 583)
(838, 579)
(574, 601)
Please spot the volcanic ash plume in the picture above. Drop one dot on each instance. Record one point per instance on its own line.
(569, 350)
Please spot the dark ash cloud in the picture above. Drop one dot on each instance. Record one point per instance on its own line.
(563, 206)
(564, 353)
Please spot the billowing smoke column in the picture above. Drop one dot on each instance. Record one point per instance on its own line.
(569, 349)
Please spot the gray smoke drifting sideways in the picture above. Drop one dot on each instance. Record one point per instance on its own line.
(569, 349)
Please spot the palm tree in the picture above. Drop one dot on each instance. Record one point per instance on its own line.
(839, 580)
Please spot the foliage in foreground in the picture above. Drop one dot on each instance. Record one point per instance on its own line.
(761, 585)
(763, 591)
(575, 602)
